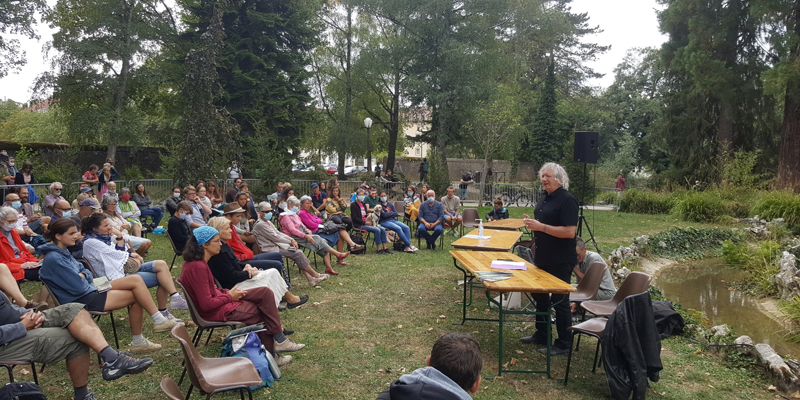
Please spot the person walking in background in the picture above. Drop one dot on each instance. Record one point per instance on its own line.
(423, 169)
(466, 179)
(620, 186)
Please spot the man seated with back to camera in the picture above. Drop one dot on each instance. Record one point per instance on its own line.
(585, 259)
(452, 372)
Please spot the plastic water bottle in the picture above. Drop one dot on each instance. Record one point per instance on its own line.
(480, 227)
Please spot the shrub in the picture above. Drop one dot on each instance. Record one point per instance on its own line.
(608, 197)
(690, 243)
(760, 262)
(784, 205)
(645, 202)
(700, 207)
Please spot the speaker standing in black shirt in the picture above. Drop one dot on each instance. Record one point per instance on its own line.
(554, 224)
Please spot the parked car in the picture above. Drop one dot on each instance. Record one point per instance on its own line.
(332, 169)
(353, 171)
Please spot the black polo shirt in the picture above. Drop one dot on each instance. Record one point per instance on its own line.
(555, 209)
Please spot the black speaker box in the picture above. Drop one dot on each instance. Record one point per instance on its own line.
(586, 147)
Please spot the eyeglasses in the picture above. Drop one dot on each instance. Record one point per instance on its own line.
(57, 189)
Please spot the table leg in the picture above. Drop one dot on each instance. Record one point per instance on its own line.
(468, 277)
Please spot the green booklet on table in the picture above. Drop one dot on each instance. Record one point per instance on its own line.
(102, 284)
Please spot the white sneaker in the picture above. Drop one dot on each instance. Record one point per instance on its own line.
(323, 277)
(288, 346)
(146, 346)
(165, 326)
(170, 317)
(178, 303)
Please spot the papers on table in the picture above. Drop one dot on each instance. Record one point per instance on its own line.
(509, 264)
(493, 276)
(477, 237)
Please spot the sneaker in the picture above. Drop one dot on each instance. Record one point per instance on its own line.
(89, 396)
(408, 249)
(381, 251)
(124, 365)
(414, 248)
(281, 360)
(554, 351)
(170, 317)
(288, 346)
(165, 326)
(178, 303)
(145, 346)
(387, 251)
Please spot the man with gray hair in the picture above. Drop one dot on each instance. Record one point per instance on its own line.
(585, 259)
(52, 198)
(554, 225)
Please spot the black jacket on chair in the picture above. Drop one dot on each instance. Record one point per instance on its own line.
(631, 348)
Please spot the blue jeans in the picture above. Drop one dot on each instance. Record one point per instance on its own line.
(148, 273)
(431, 239)
(400, 228)
(462, 194)
(154, 212)
(270, 260)
(378, 232)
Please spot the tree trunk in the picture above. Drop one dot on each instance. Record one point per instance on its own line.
(394, 122)
(789, 161)
(348, 81)
(121, 95)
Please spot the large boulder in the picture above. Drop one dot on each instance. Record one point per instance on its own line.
(787, 282)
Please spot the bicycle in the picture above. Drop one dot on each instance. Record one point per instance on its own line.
(517, 195)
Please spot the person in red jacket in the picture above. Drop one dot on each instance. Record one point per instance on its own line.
(13, 253)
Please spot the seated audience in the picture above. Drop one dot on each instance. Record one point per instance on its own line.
(35, 220)
(412, 202)
(130, 211)
(314, 224)
(287, 192)
(243, 227)
(55, 195)
(213, 304)
(275, 197)
(66, 332)
(452, 206)
(293, 226)
(431, 217)
(22, 228)
(111, 191)
(231, 193)
(371, 200)
(85, 209)
(318, 198)
(9, 286)
(200, 212)
(109, 207)
(498, 212)
(173, 200)
(358, 213)
(178, 225)
(233, 213)
(71, 282)
(214, 195)
(13, 252)
(146, 206)
(453, 371)
(335, 207)
(103, 178)
(585, 259)
(270, 239)
(388, 221)
(106, 251)
(202, 195)
(230, 273)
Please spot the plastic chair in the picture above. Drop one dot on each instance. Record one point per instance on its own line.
(201, 323)
(635, 283)
(470, 217)
(171, 389)
(589, 285)
(593, 327)
(9, 365)
(215, 375)
(175, 250)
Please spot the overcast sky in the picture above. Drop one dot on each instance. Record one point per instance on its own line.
(625, 23)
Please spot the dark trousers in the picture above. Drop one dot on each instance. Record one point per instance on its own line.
(258, 305)
(563, 314)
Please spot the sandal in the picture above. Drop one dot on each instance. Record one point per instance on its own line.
(330, 271)
(342, 263)
(342, 257)
(356, 247)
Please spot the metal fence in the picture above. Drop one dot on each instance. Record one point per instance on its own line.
(158, 189)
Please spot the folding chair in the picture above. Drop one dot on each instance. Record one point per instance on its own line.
(9, 365)
(635, 283)
(174, 250)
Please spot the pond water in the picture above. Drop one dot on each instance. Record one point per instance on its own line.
(705, 286)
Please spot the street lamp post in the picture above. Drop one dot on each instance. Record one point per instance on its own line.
(368, 124)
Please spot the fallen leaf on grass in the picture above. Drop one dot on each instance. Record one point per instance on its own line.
(430, 329)
(399, 326)
(318, 287)
(443, 316)
(316, 303)
(24, 371)
(772, 388)
(698, 351)
(520, 352)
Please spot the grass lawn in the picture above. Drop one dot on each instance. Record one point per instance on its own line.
(380, 317)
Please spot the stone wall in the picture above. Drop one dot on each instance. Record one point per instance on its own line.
(526, 172)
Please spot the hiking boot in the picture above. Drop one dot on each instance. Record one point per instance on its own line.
(178, 303)
(288, 346)
(124, 365)
(165, 326)
(146, 346)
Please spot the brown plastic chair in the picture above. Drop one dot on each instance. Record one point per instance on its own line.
(174, 249)
(470, 217)
(201, 323)
(593, 327)
(215, 375)
(635, 283)
(589, 285)
(171, 389)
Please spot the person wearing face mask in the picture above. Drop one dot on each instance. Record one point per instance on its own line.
(12, 167)
(52, 198)
(371, 200)
(431, 218)
(111, 190)
(61, 209)
(34, 220)
(178, 225)
(294, 227)
(13, 252)
(313, 223)
(411, 201)
(130, 211)
(23, 230)
(358, 212)
(270, 239)
(389, 222)
(173, 200)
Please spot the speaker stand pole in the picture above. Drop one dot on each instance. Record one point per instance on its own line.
(581, 219)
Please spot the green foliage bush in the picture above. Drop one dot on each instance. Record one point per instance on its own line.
(646, 202)
(784, 205)
(760, 261)
(608, 197)
(700, 207)
(689, 243)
